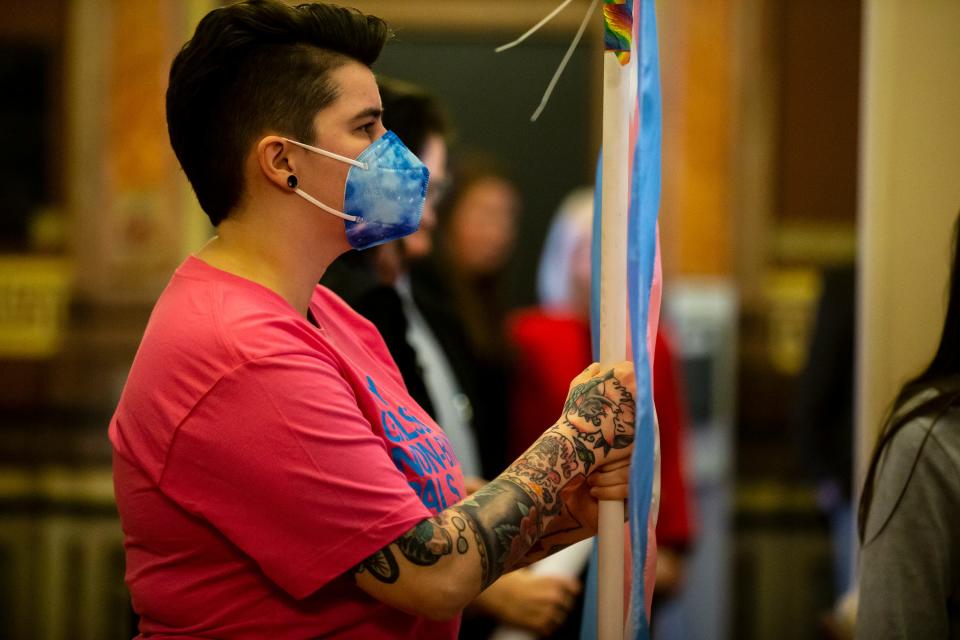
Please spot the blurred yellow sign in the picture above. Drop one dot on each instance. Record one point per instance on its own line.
(34, 294)
(792, 296)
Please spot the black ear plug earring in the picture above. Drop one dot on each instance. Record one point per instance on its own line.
(292, 181)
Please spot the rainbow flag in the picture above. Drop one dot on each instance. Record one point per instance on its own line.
(631, 28)
(618, 28)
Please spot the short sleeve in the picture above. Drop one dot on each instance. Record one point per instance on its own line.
(281, 461)
(905, 561)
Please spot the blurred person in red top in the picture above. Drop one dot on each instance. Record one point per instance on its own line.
(553, 340)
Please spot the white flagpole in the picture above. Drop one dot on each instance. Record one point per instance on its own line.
(613, 320)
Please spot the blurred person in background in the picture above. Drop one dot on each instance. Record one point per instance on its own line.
(273, 476)
(909, 520)
(476, 232)
(431, 350)
(554, 339)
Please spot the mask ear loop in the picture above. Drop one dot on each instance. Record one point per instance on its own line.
(340, 214)
(292, 181)
(330, 154)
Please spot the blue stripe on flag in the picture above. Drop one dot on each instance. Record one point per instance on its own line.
(595, 243)
(641, 254)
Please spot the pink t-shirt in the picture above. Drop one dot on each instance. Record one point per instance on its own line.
(258, 458)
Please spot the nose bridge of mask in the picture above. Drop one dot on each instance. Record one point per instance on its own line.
(388, 150)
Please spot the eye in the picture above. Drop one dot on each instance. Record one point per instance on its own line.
(366, 127)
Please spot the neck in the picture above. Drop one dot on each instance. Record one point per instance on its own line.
(287, 254)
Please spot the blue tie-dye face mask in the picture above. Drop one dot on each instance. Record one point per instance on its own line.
(384, 194)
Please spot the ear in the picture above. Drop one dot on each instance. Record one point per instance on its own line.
(275, 160)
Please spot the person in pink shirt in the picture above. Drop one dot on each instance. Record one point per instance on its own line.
(273, 476)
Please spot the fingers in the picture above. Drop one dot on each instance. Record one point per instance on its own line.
(623, 371)
(615, 473)
(614, 485)
(567, 589)
(617, 492)
(612, 466)
(558, 595)
(624, 368)
(556, 588)
(611, 482)
(544, 620)
(591, 371)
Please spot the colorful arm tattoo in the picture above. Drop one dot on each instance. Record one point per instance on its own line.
(424, 545)
(526, 512)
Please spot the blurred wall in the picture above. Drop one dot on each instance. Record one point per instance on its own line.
(697, 75)
(132, 213)
(910, 193)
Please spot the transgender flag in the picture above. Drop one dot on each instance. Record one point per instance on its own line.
(644, 283)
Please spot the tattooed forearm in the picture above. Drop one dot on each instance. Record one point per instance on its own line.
(481, 551)
(541, 551)
(541, 503)
(524, 510)
(597, 420)
(548, 465)
(506, 521)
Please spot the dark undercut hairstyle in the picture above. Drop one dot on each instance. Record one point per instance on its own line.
(251, 68)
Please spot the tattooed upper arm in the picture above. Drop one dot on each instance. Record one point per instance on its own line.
(424, 545)
(382, 565)
(400, 574)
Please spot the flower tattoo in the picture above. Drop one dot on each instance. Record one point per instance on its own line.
(602, 411)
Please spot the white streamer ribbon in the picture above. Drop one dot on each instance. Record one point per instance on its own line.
(566, 56)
